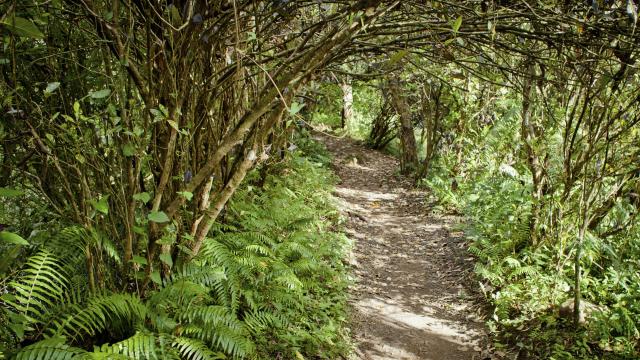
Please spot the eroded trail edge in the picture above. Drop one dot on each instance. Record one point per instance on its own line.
(410, 299)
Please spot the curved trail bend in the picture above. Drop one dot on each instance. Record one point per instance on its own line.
(409, 300)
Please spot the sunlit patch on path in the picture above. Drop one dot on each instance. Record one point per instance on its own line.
(409, 301)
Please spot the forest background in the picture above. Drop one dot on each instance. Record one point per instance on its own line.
(145, 144)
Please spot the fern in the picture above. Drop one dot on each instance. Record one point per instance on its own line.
(49, 349)
(142, 345)
(100, 313)
(255, 290)
(259, 320)
(39, 289)
(193, 349)
(221, 337)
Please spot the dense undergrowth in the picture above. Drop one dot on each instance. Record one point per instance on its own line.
(530, 286)
(268, 284)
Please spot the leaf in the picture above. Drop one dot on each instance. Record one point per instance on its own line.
(397, 57)
(157, 114)
(166, 258)
(508, 170)
(12, 238)
(23, 27)
(173, 124)
(175, 14)
(9, 192)
(100, 94)
(143, 196)
(51, 87)
(139, 260)
(76, 109)
(158, 217)
(185, 194)
(155, 276)
(128, 150)
(295, 108)
(456, 25)
(101, 205)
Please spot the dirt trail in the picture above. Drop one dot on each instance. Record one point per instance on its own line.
(410, 299)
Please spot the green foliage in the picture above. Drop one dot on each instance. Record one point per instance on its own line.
(526, 246)
(268, 283)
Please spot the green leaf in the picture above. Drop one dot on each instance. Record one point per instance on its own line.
(128, 150)
(397, 57)
(139, 260)
(23, 27)
(456, 25)
(158, 217)
(157, 114)
(295, 108)
(51, 87)
(101, 205)
(143, 196)
(11, 238)
(166, 258)
(175, 14)
(155, 276)
(9, 192)
(173, 124)
(185, 194)
(76, 109)
(166, 240)
(100, 94)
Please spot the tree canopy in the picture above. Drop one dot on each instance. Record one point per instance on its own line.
(132, 123)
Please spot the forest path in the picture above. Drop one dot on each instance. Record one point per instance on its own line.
(409, 300)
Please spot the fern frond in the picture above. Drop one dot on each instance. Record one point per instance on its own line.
(259, 320)
(194, 349)
(203, 275)
(299, 224)
(524, 270)
(49, 349)
(218, 326)
(40, 288)
(100, 313)
(140, 346)
(69, 242)
(213, 316)
(223, 338)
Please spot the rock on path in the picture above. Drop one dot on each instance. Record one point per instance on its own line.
(410, 299)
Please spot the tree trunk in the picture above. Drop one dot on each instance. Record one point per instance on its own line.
(347, 105)
(409, 155)
(534, 162)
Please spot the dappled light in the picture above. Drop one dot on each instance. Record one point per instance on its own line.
(319, 180)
